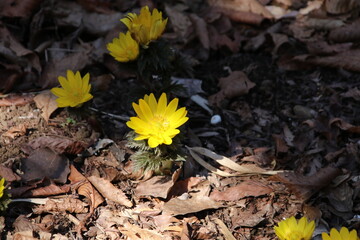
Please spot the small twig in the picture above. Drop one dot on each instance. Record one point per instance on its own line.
(117, 117)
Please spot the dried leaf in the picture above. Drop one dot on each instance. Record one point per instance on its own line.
(349, 60)
(340, 123)
(45, 101)
(18, 8)
(177, 206)
(224, 229)
(340, 6)
(305, 186)
(180, 21)
(44, 162)
(55, 68)
(16, 100)
(59, 144)
(234, 85)
(8, 174)
(157, 186)
(67, 204)
(246, 6)
(244, 189)
(134, 232)
(346, 33)
(50, 190)
(16, 131)
(85, 188)
(109, 191)
(224, 161)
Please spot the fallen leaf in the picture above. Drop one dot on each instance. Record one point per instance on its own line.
(16, 100)
(305, 186)
(224, 161)
(181, 23)
(16, 131)
(234, 85)
(244, 189)
(67, 204)
(340, 123)
(352, 93)
(18, 8)
(183, 186)
(338, 7)
(58, 67)
(85, 188)
(109, 191)
(224, 229)
(44, 162)
(246, 6)
(157, 186)
(49, 190)
(59, 144)
(134, 232)
(45, 101)
(177, 206)
(8, 174)
(349, 60)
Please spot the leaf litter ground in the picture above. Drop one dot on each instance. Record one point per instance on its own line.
(304, 122)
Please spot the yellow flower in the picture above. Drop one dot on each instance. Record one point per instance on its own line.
(344, 234)
(156, 120)
(291, 229)
(146, 26)
(124, 48)
(2, 187)
(75, 90)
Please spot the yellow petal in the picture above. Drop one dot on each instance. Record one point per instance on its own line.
(161, 107)
(171, 108)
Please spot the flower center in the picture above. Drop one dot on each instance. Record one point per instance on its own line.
(160, 123)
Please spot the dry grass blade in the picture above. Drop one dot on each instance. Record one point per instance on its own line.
(224, 161)
(208, 166)
(224, 229)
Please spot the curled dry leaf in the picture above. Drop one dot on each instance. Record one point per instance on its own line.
(16, 131)
(109, 191)
(66, 204)
(234, 85)
(85, 188)
(45, 101)
(340, 123)
(305, 186)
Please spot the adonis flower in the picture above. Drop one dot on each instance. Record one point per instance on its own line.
(124, 48)
(157, 121)
(344, 234)
(75, 90)
(2, 187)
(146, 26)
(291, 229)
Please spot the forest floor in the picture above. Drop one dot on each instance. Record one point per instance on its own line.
(282, 75)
